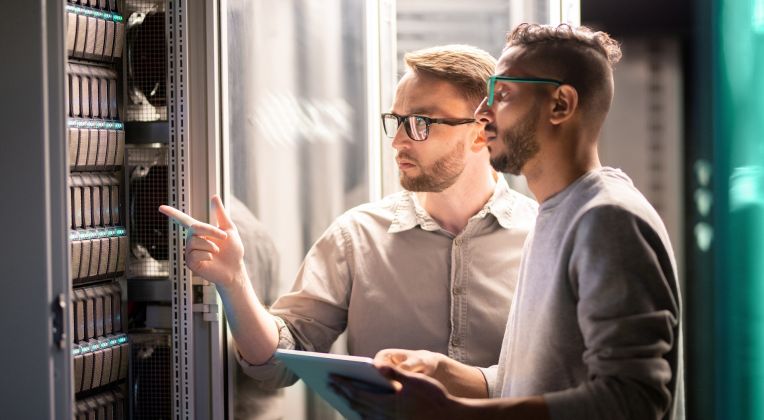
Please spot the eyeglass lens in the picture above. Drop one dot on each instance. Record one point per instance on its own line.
(416, 127)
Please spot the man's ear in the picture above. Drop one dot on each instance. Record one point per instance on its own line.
(565, 104)
(480, 140)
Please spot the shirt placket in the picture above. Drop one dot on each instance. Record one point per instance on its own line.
(458, 291)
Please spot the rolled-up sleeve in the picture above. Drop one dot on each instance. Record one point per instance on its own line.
(272, 373)
(314, 313)
(628, 312)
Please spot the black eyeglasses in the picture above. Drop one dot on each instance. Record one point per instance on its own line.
(417, 126)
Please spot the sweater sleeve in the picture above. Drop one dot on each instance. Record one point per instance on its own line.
(628, 312)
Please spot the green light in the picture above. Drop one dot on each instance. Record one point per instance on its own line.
(118, 18)
(73, 236)
(704, 234)
(121, 231)
(112, 342)
(109, 125)
(738, 105)
(122, 339)
(76, 351)
(758, 16)
(104, 344)
(703, 201)
(85, 349)
(746, 186)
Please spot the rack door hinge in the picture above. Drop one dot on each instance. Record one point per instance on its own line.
(59, 309)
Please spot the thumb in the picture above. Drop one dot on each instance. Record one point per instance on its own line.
(224, 220)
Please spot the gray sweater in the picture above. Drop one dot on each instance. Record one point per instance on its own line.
(594, 326)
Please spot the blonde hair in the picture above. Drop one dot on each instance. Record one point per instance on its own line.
(466, 67)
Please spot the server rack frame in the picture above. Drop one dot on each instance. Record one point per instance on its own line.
(195, 141)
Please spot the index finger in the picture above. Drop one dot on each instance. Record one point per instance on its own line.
(178, 216)
(191, 224)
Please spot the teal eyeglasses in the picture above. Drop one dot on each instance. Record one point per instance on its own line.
(492, 83)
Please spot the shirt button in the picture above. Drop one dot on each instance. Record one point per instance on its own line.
(456, 342)
(458, 290)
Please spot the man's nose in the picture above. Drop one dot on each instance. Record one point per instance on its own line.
(484, 113)
(401, 140)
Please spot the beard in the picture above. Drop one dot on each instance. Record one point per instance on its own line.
(520, 144)
(438, 176)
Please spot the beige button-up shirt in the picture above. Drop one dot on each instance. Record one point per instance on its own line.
(393, 278)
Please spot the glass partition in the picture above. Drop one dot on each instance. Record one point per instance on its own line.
(297, 128)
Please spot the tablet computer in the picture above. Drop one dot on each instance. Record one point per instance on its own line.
(314, 369)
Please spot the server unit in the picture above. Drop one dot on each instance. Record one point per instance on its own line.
(95, 33)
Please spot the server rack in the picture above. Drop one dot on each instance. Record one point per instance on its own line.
(92, 319)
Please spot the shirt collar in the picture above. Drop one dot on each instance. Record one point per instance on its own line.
(409, 213)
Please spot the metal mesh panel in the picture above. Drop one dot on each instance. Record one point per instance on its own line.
(151, 375)
(146, 60)
(147, 177)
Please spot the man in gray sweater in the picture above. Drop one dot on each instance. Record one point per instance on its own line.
(594, 329)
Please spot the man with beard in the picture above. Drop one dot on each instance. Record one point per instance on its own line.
(594, 330)
(431, 267)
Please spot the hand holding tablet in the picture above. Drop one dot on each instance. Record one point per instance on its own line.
(317, 369)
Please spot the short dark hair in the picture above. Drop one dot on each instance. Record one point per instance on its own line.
(579, 56)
